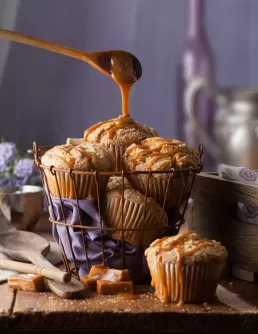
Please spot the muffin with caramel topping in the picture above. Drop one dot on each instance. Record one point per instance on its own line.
(136, 216)
(85, 158)
(185, 268)
(157, 155)
(116, 135)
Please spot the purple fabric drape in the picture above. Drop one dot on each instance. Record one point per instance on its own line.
(134, 259)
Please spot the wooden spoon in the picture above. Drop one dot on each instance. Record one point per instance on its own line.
(27, 246)
(115, 63)
(28, 268)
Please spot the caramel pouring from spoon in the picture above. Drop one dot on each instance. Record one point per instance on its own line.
(115, 63)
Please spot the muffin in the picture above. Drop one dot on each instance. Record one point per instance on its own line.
(85, 158)
(159, 154)
(185, 268)
(116, 135)
(134, 212)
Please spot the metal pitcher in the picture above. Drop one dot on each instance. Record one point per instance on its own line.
(235, 125)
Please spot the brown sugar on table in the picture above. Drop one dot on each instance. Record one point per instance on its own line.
(27, 282)
(127, 296)
(113, 288)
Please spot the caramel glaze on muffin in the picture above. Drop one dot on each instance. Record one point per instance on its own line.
(116, 135)
(118, 131)
(159, 154)
(185, 267)
(84, 157)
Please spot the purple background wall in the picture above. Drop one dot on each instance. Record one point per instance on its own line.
(48, 97)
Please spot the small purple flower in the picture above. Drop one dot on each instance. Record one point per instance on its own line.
(25, 168)
(4, 182)
(8, 153)
(13, 182)
(248, 174)
(3, 163)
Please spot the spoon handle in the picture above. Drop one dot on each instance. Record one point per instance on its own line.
(41, 261)
(71, 290)
(89, 57)
(27, 268)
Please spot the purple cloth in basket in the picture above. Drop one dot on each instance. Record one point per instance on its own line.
(134, 259)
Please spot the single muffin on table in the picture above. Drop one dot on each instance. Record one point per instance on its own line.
(116, 135)
(85, 157)
(159, 154)
(135, 214)
(185, 268)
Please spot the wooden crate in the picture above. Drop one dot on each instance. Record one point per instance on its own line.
(214, 215)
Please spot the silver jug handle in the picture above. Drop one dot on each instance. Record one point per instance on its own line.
(195, 87)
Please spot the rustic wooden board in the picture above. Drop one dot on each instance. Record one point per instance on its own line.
(7, 300)
(46, 311)
(214, 215)
(236, 309)
(230, 192)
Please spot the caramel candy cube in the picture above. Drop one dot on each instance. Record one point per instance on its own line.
(113, 288)
(101, 272)
(90, 283)
(27, 282)
(97, 269)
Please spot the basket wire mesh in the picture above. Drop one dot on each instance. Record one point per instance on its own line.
(72, 266)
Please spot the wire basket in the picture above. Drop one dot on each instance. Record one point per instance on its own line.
(75, 254)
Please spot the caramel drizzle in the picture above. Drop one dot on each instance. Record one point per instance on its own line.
(94, 127)
(150, 151)
(69, 160)
(163, 291)
(66, 160)
(116, 124)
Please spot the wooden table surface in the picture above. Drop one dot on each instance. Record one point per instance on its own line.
(236, 310)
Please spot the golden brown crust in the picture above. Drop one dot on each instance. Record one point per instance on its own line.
(159, 154)
(118, 131)
(189, 245)
(115, 183)
(84, 157)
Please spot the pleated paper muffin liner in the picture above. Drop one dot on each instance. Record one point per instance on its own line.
(199, 281)
(133, 218)
(178, 189)
(85, 185)
(117, 151)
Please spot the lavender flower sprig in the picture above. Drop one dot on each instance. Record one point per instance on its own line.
(8, 152)
(14, 169)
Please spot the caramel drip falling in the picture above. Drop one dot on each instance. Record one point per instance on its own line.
(178, 244)
(125, 92)
(122, 75)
